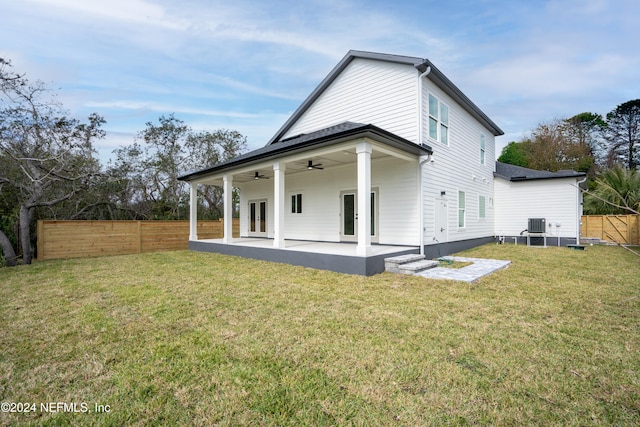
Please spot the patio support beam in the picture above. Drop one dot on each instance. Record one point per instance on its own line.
(193, 211)
(363, 151)
(227, 212)
(278, 208)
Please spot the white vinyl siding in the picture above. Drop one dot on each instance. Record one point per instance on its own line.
(556, 200)
(384, 94)
(456, 167)
(369, 92)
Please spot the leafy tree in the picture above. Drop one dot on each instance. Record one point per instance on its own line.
(209, 148)
(147, 170)
(46, 157)
(515, 153)
(164, 159)
(615, 191)
(622, 132)
(554, 145)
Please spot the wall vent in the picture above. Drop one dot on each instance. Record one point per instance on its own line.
(537, 225)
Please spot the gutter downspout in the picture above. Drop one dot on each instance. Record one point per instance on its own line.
(578, 213)
(420, 77)
(422, 161)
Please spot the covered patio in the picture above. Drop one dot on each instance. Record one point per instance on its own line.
(340, 199)
(333, 256)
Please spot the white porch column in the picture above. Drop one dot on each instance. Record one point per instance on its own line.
(227, 197)
(193, 211)
(363, 150)
(278, 204)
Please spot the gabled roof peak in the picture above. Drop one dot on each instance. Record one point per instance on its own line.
(435, 75)
(388, 57)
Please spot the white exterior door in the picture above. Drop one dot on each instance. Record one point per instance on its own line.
(349, 216)
(440, 220)
(258, 218)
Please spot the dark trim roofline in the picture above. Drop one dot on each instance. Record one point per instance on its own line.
(292, 146)
(515, 173)
(419, 63)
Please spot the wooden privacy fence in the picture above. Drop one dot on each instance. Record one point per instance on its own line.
(77, 239)
(623, 229)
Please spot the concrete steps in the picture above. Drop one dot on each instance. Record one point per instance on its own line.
(408, 264)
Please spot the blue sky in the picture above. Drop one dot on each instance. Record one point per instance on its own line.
(246, 65)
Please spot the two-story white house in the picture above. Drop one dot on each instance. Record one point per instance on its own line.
(386, 156)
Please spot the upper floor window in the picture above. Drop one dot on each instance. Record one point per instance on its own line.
(483, 149)
(438, 120)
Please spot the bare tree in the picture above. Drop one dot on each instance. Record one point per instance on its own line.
(46, 157)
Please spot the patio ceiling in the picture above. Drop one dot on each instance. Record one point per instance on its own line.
(332, 146)
(327, 158)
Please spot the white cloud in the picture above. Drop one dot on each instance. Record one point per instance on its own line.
(168, 108)
(129, 11)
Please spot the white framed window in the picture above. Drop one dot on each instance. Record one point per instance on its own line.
(482, 207)
(296, 203)
(483, 149)
(462, 212)
(438, 120)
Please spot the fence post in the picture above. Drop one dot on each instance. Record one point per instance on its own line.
(40, 241)
(139, 237)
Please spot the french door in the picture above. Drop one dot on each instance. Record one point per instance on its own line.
(258, 218)
(349, 216)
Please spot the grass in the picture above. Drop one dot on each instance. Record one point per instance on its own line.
(193, 338)
(447, 263)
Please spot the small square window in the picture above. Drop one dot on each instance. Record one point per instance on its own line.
(296, 203)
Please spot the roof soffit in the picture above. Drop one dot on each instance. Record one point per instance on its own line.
(329, 156)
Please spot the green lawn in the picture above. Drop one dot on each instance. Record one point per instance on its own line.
(193, 338)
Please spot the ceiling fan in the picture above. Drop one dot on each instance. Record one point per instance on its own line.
(259, 176)
(310, 165)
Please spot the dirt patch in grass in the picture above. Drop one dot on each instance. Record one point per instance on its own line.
(182, 337)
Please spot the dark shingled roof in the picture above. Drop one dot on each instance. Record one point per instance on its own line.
(328, 136)
(518, 173)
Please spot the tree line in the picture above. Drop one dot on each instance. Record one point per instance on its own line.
(49, 168)
(606, 148)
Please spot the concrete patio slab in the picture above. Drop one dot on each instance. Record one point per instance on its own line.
(480, 267)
